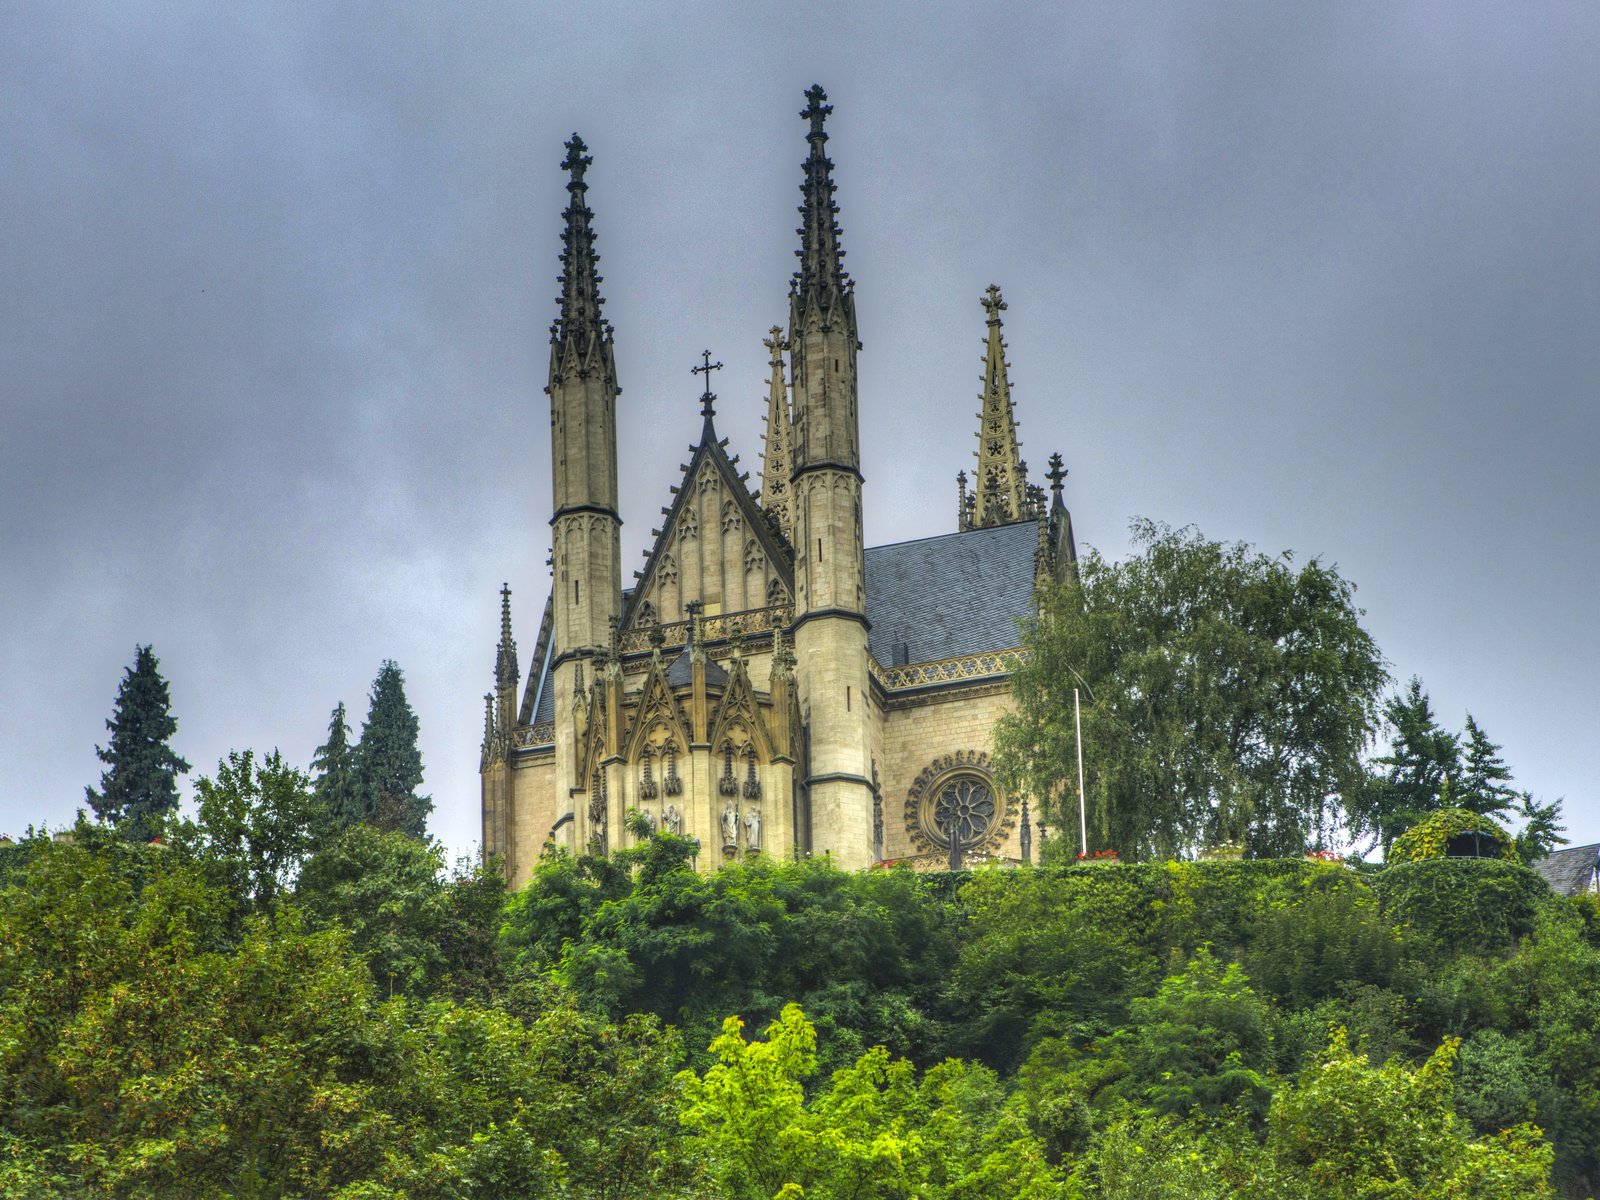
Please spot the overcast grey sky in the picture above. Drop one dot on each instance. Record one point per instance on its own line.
(275, 285)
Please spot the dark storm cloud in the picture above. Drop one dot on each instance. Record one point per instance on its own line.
(276, 284)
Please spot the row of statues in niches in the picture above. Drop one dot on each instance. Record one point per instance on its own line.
(671, 821)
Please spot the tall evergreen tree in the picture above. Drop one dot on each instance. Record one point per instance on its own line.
(334, 765)
(388, 762)
(1423, 756)
(141, 785)
(1484, 782)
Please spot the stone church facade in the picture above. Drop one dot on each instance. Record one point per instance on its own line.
(767, 684)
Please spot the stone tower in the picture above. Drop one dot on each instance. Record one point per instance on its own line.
(585, 535)
(830, 624)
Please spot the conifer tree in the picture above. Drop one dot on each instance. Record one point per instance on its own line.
(1423, 757)
(335, 768)
(141, 785)
(388, 762)
(1484, 784)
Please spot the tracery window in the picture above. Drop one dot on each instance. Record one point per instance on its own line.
(956, 804)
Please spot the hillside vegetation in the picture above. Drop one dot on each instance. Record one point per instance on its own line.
(176, 1023)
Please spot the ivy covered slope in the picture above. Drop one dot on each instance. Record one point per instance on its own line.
(238, 1011)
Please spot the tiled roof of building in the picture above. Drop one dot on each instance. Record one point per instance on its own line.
(959, 593)
(1570, 872)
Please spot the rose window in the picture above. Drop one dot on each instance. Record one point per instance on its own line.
(963, 809)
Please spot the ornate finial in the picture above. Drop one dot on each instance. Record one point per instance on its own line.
(488, 723)
(736, 641)
(782, 651)
(816, 110)
(579, 323)
(505, 660)
(775, 346)
(993, 304)
(708, 398)
(1056, 474)
(577, 162)
(658, 639)
(821, 281)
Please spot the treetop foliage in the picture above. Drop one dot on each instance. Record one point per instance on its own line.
(1227, 698)
(140, 787)
(388, 762)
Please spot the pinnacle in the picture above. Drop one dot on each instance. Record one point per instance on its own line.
(579, 324)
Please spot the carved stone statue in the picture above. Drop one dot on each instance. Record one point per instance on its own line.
(672, 820)
(730, 829)
(752, 829)
(649, 819)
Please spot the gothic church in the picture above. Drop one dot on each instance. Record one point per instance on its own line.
(767, 684)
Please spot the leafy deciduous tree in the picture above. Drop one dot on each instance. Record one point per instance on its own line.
(1226, 697)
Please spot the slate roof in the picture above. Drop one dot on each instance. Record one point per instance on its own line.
(1570, 872)
(681, 672)
(958, 593)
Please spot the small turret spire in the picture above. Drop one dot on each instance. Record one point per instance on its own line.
(821, 279)
(506, 672)
(1001, 483)
(776, 462)
(579, 325)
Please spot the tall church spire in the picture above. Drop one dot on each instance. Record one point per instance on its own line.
(832, 679)
(821, 282)
(1002, 483)
(775, 458)
(580, 332)
(585, 529)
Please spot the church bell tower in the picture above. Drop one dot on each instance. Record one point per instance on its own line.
(830, 622)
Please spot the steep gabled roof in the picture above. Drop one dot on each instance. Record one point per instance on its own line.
(1570, 872)
(713, 451)
(959, 593)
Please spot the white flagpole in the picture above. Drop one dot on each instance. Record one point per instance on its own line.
(1083, 819)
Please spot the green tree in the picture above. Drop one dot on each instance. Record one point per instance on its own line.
(335, 773)
(875, 1131)
(1484, 782)
(1349, 1131)
(141, 787)
(422, 933)
(1227, 697)
(1541, 827)
(1423, 760)
(1202, 1044)
(388, 762)
(256, 825)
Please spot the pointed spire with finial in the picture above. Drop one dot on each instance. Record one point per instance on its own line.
(506, 672)
(1001, 482)
(489, 740)
(580, 328)
(776, 463)
(1064, 545)
(821, 281)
